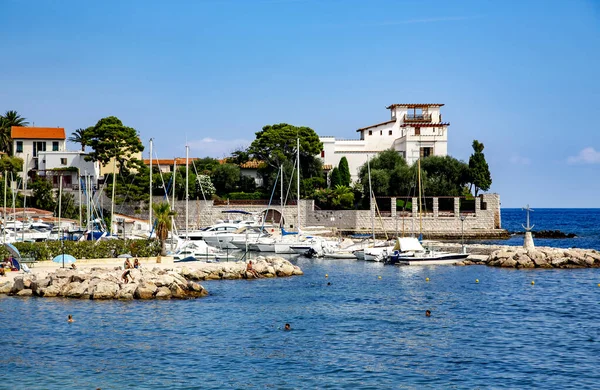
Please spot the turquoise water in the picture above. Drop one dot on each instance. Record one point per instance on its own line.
(361, 332)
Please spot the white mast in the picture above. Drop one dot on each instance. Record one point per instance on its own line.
(174, 176)
(371, 198)
(298, 178)
(4, 230)
(112, 202)
(60, 179)
(281, 175)
(79, 186)
(150, 208)
(187, 196)
(24, 198)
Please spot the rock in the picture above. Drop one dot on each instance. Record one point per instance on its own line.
(508, 263)
(105, 290)
(127, 291)
(25, 293)
(50, 291)
(163, 293)
(524, 262)
(285, 270)
(18, 284)
(177, 291)
(145, 290)
(559, 262)
(297, 271)
(37, 284)
(79, 277)
(164, 280)
(76, 290)
(5, 286)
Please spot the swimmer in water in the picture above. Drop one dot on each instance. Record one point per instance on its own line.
(427, 313)
(70, 319)
(287, 327)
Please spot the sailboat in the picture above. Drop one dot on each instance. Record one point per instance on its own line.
(409, 251)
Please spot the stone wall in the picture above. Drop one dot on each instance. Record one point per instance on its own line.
(484, 221)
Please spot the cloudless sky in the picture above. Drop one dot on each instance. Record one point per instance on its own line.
(520, 76)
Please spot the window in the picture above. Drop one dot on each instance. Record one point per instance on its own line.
(55, 146)
(63, 161)
(426, 152)
(417, 131)
(380, 132)
(370, 132)
(322, 154)
(390, 132)
(19, 146)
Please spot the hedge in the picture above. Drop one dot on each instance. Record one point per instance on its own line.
(86, 249)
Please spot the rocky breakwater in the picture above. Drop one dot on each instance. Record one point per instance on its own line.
(102, 283)
(156, 283)
(541, 257)
(265, 267)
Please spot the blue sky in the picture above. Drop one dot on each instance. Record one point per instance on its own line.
(519, 76)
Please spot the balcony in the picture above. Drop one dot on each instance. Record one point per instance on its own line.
(424, 117)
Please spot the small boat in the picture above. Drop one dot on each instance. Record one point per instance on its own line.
(409, 251)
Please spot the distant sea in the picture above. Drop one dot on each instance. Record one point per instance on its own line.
(585, 223)
(367, 330)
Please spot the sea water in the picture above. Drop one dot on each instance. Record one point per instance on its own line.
(365, 330)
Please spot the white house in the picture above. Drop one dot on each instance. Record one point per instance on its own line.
(130, 227)
(29, 141)
(414, 130)
(69, 165)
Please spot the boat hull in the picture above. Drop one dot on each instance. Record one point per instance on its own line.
(444, 259)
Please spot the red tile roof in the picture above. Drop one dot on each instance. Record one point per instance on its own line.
(167, 161)
(415, 105)
(252, 164)
(425, 124)
(378, 124)
(37, 133)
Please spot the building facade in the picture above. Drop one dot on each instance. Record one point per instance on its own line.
(70, 165)
(414, 130)
(28, 142)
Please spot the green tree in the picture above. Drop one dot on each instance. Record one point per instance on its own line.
(7, 121)
(335, 179)
(68, 208)
(344, 172)
(203, 188)
(11, 165)
(239, 157)
(479, 172)
(225, 178)
(78, 137)
(43, 195)
(109, 138)
(163, 214)
(444, 176)
(276, 146)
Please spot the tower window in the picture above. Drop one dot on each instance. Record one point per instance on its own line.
(370, 132)
(417, 131)
(390, 132)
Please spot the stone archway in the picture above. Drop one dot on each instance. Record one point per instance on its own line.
(272, 216)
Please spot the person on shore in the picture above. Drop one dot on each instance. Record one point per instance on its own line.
(427, 313)
(73, 266)
(2, 271)
(128, 264)
(251, 270)
(136, 264)
(70, 318)
(287, 327)
(126, 275)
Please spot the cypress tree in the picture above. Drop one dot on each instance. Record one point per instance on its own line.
(479, 170)
(335, 178)
(344, 170)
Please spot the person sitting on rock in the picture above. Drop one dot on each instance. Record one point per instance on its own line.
(73, 266)
(128, 264)
(251, 270)
(136, 264)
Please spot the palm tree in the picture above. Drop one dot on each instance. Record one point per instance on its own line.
(7, 121)
(14, 119)
(163, 214)
(78, 137)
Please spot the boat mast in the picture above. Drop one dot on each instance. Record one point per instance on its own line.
(150, 208)
(371, 198)
(112, 202)
(60, 179)
(420, 192)
(187, 197)
(281, 174)
(24, 198)
(4, 227)
(79, 192)
(298, 178)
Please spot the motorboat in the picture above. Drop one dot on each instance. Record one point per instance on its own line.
(409, 251)
(225, 240)
(200, 250)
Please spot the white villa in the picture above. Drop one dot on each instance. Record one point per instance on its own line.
(29, 141)
(414, 130)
